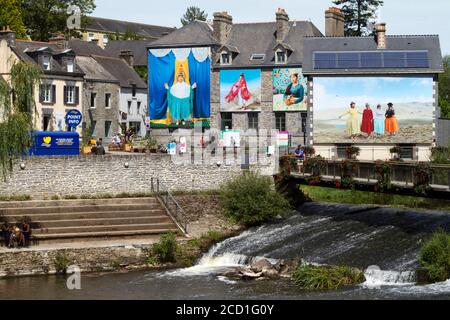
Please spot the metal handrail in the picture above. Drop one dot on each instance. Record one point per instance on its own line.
(165, 196)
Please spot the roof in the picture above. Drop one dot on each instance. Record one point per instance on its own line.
(94, 71)
(195, 34)
(113, 26)
(429, 43)
(138, 47)
(85, 48)
(260, 38)
(25, 50)
(121, 71)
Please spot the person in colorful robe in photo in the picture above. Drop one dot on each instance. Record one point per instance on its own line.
(181, 99)
(391, 121)
(295, 93)
(239, 90)
(367, 121)
(379, 121)
(353, 122)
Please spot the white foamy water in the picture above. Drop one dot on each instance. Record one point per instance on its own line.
(376, 278)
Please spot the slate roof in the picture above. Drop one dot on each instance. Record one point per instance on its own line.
(138, 47)
(85, 48)
(112, 26)
(27, 50)
(394, 43)
(195, 34)
(94, 71)
(121, 71)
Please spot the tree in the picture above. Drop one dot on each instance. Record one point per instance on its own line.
(45, 18)
(11, 15)
(192, 14)
(359, 14)
(444, 89)
(16, 107)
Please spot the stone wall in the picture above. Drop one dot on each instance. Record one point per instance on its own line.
(47, 176)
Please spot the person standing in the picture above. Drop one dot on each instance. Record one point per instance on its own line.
(353, 122)
(379, 121)
(367, 122)
(391, 120)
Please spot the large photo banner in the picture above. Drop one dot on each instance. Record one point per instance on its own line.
(373, 110)
(289, 90)
(179, 86)
(240, 90)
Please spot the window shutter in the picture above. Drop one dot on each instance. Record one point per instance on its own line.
(65, 95)
(41, 93)
(77, 95)
(53, 94)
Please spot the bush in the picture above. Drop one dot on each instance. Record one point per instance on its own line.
(165, 250)
(435, 257)
(251, 199)
(62, 262)
(311, 277)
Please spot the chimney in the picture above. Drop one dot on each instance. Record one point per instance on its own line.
(127, 56)
(282, 24)
(334, 22)
(222, 25)
(59, 40)
(8, 35)
(380, 34)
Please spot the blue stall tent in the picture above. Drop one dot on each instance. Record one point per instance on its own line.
(55, 144)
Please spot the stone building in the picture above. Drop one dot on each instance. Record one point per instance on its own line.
(101, 30)
(238, 46)
(62, 82)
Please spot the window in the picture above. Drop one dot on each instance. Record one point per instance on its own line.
(105, 39)
(280, 56)
(108, 100)
(93, 99)
(227, 121)
(133, 90)
(139, 107)
(107, 129)
(129, 107)
(135, 127)
(258, 57)
(71, 95)
(47, 119)
(91, 36)
(253, 121)
(225, 58)
(46, 93)
(280, 121)
(70, 65)
(46, 62)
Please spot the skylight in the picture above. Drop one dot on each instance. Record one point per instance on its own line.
(258, 57)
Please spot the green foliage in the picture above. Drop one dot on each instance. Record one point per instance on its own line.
(251, 199)
(61, 262)
(142, 71)
(311, 277)
(422, 177)
(45, 18)
(192, 14)
(358, 15)
(348, 169)
(16, 105)
(24, 197)
(435, 257)
(165, 250)
(315, 166)
(383, 176)
(11, 15)
(444, 89)
(352, 152)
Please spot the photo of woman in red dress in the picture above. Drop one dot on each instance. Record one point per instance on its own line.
(239, 90)
(367, 125)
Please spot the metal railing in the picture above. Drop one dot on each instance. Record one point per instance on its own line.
(174, 209)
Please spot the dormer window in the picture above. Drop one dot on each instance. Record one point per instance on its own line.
(258, 57)
(225, 58)
(280, 56)
(46, 62)
(70, 65)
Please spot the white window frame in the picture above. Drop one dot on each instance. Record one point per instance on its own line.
(277, 52)
(105, 39)
(230, 58)
(129, 106)
(91, 36)
(48, 94)
(46, 62)
(70, 65)
(258, 57)
(70, 95)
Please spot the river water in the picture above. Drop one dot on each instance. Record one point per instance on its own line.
(385, 242)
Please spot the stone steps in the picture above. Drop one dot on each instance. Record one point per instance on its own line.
(84, 220)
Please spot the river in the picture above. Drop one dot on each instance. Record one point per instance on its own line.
(359, 236)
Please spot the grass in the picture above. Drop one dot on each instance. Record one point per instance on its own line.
(435, 257)
(323, 194)
(23, 197)
(311, 277)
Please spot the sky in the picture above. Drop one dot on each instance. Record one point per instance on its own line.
(402, 16)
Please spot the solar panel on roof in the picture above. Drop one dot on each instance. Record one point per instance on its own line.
(348, 60)
(325, 60)
(417, 60)
(371, 60)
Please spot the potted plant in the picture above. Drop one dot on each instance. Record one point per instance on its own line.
(395, 153)
(86, 148)
(152, 145)
(128, 146)
(352, 152)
